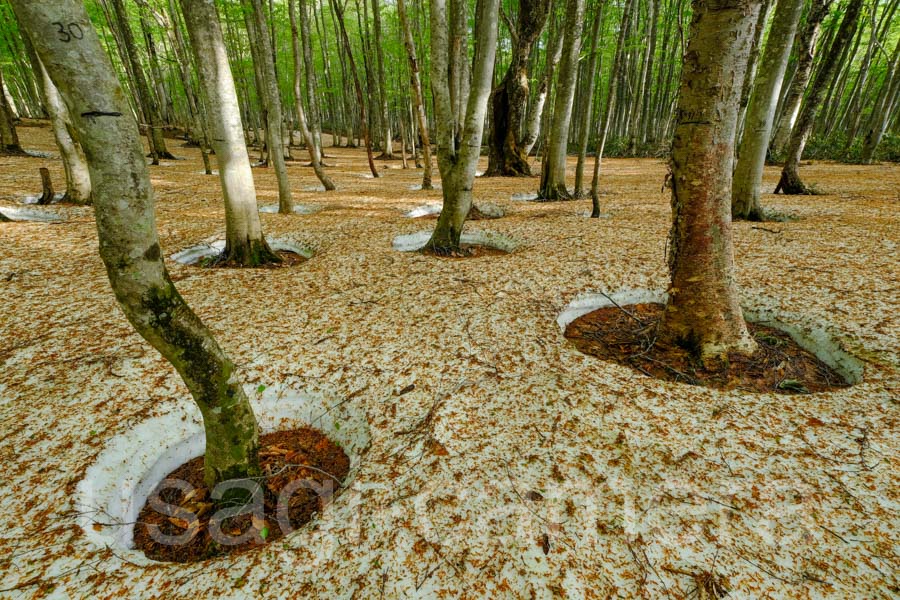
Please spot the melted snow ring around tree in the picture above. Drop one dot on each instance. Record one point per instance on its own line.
(480, 210)
(794, 355)
(413, 242)
(117, 485)
(34, 215)
(195, 255)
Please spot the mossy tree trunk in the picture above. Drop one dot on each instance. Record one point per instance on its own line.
(245, 244)
(509, 100)
(790, 182)
(745, 202)
(9, 139)
(703, 312)
(553, 164)
(458, 161)
(129, 246)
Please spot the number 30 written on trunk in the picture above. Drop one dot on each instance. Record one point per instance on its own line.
(67, 32)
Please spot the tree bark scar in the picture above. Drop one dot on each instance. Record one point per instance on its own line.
(100, 113)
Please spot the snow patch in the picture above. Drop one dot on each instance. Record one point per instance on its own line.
(424, 211)
(194, 254)
(117, 485)
(314, 188)
(524, 196)
(820, 339)
(33, 198)
(418, 187)
(24, 214)
(300, 209)
(415, 241)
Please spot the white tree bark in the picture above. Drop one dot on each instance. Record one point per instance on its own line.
(126, 226)
(761, 112)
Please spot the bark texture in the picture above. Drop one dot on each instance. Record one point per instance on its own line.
(790, 182)
(415, 83)
(510, 98)
(553, 165)
(129, 246)
(745, 202)
(457, 161)
(9, 139)
(703, 312)
(245, 244)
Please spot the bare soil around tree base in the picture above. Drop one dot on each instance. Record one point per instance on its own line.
(628, 336)
(288, 259)
(468, 251)
(302, 470)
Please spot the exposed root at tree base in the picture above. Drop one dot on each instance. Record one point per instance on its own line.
(464, 251)
(287, 458)
(630, 338)
(286, 259)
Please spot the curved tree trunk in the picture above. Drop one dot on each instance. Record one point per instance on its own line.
(806, 49)
(509, 99)
(245, 244)
(387, 152)
(703, 312)
(790, 182)
(129, 246)
(298, 101)
(416, 85)
(457, 162)
(553, 164)
(884, 107)
(315, 117)
(761, 112)
(255, 15)
(587, 109)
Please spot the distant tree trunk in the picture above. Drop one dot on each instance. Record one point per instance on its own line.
(416, 85)
(457, 162)
(298, 94)
(78, 177)
(761, 112)
(388, 136)
(610, 108)
(509, 100)
(145, 96)
(790, 182)
(9, 139)
(806, 49)
(553, 164)
(884, 108)
(245, 244)
(255, 16)
(363, 123)
(587, 108)
(703, 312)
(129, 246)
(315, 116)
(536, 117)
(755, 44)
(47, 194)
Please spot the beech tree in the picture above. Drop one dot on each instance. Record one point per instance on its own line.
(126, 227)
(9, 139)
(703, 311)
(458, 150)
(509, 100)
(415, 84)
(245, 244)
(553, 164)
(761, 112)
(790, 182)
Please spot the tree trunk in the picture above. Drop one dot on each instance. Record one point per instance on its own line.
(536, 117)
(553, 167)
(129, 246)
(790, 182)
(609, 109)
(416, 85)
(388, 136)
(78, 177)
(298, 101)
(457, 162)
(245, 244)
(509, 99)
(761, 19)
(47, 194)
(314, 115)
(145, 96)
(703, 312)
(806, 50)
(881, 113)
(587, 107)
(9, 139)
(761, 112)
(363, 123)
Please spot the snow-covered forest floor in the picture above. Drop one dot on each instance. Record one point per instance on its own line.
(515, 466)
